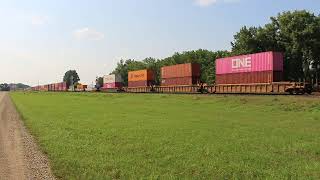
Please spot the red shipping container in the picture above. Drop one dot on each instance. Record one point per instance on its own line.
(140, 83)
(259, 62)
(250, 78)
(180, 81)
(181, 70)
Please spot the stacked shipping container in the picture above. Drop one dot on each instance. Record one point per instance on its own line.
(60, 86)
(81, 87)
(266, 67)
(181, 74)
(141, 78)
(51, 87)
(113, 81)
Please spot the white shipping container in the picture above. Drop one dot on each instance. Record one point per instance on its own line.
(91, 88)
(112, 78)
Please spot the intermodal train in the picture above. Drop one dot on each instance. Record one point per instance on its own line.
(58, 87)
(260, 73)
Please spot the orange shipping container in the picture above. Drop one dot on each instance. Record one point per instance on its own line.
(141, 75)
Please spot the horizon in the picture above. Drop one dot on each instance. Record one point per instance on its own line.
(43, 40)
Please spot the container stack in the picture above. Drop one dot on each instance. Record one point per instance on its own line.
(81, 87)
(181, 74)
(141, 78)
(266, 67)
(51, 87)
(62, 86)
(113, 81)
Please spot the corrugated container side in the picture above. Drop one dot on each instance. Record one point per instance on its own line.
(266, 61)
(64, 85)
(180, 81)
(140, 83)
(250, 78)
(112, 78)
(141, 75)
(180, 70)
(174, 71)
(112, 85)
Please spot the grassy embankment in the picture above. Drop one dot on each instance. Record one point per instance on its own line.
(94, 136)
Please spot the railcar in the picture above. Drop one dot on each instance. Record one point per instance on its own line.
(262, 88)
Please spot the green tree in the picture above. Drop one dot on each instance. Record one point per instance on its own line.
(123, 67)
(21, 86)
(205, 58)
(155, 66)
(4, 87)
(299, 35)
(70, 77)
(296, 33)
(246, 41)
(99, 82)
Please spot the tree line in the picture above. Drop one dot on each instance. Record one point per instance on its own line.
(295, 33)
(4, 87)
(12, 86)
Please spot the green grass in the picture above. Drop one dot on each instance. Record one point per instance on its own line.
(131, 136)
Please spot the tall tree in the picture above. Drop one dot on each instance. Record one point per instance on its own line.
(299, 35)
(296, 33)
(99, 82)
(245, 41)
(155, 66)
(123, 67)
(205, 58)
(70, 77)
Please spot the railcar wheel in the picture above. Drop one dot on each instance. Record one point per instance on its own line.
(296, 91)
(291, 91)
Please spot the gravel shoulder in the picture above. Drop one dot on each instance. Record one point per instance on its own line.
(20, 157)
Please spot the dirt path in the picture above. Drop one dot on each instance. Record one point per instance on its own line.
(20, 157)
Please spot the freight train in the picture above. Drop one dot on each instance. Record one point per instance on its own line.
(260, 73)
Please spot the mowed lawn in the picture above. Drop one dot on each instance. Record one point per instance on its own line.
(133, 136)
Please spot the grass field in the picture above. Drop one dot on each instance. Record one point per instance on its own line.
(127, 136)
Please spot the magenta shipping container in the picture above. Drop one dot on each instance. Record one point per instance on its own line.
(266, 61)
(112, 85)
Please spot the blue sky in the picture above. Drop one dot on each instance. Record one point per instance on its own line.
(41, 39)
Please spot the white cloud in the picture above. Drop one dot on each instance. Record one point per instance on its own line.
(88, 34)
(231, 1)
(205, 3)
(39, 20)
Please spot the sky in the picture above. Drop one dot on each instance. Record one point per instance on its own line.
(41, 39)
